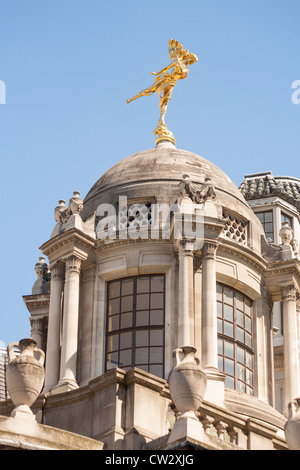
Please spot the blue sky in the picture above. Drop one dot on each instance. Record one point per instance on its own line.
(69, 67)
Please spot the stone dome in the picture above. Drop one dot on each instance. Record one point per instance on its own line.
(156, 173)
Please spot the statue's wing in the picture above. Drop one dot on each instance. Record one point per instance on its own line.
(174, 48)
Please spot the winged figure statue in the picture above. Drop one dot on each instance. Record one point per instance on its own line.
(165, 81)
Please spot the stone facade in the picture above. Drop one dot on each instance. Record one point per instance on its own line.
(166, 252)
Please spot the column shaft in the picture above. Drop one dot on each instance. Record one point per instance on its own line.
(54, 325)
(290, 343)
(186, 294)
(209, 307)
(68, 360)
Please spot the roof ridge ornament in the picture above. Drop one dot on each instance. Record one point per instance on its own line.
(164, 83)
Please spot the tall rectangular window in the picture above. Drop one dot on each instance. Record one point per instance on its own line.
(235, 331)
(135, 324)
(266, 219)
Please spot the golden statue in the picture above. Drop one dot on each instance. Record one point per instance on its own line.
(165, 82)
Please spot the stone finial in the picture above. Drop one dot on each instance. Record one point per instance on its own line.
(286, 233)
(63, 213)
(75, 203)
(41, 285)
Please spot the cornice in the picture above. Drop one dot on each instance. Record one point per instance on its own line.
(243, 253)
(71, 237)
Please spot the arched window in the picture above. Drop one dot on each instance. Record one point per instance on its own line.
(235, 341)
(135, 324)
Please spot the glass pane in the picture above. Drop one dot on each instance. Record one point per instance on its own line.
(220, 346)
(112, 360)
(228, 296)
(228, 312)
(157, 284)
(142, 301)
(219, 293)
(125, 358)
(240, 334)
(268, 216)
(127, 304)
(229, 382)
(125, 340)
(126, 320)
(249, 377)
(239, 318)
(228, 329)
(220, 326)
(143, 285)
(156, 369)
(248, 340)
(229, 366)
(220, 363)
(241, 386)
(112, 343)
(142, 338)
(114, 290)
(248, 307)
(157, 300)
(156, 355)
(114, 306)
(142, 318)
(249, 360)
(239, 302)
(156, 317)
(219, 310)
(248, 324)
(141, 356)
(113, 323)
(240, 354)
(241, 372)
(127, 287)
(156, 338)
(269, 227)
(228, 349)
(260, 215)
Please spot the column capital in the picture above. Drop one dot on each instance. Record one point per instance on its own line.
(57, 270)
(289, 292)
(209, 249)
(186, 247)
(73, 264)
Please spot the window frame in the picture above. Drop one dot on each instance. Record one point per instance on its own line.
(237, 383)
(136, 328)
(264, 222)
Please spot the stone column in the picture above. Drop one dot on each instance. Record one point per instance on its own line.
(209, 307)
(68, 360)
(290, 344)
(54, 324)
(37, 331)
(186, 294)
(215, 378)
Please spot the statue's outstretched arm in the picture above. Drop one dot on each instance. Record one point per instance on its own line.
(164, 69)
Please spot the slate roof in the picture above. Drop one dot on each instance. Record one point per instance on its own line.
(262, 185)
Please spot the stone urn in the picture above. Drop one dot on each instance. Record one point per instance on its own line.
(292, 426)
(24, 375)
(75, 203)
(286, 233)
(187, 382)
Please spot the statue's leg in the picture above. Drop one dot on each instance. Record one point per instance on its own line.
(147, 92)
(163, 104)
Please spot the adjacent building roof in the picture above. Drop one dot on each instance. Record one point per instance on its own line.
(262, 185)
